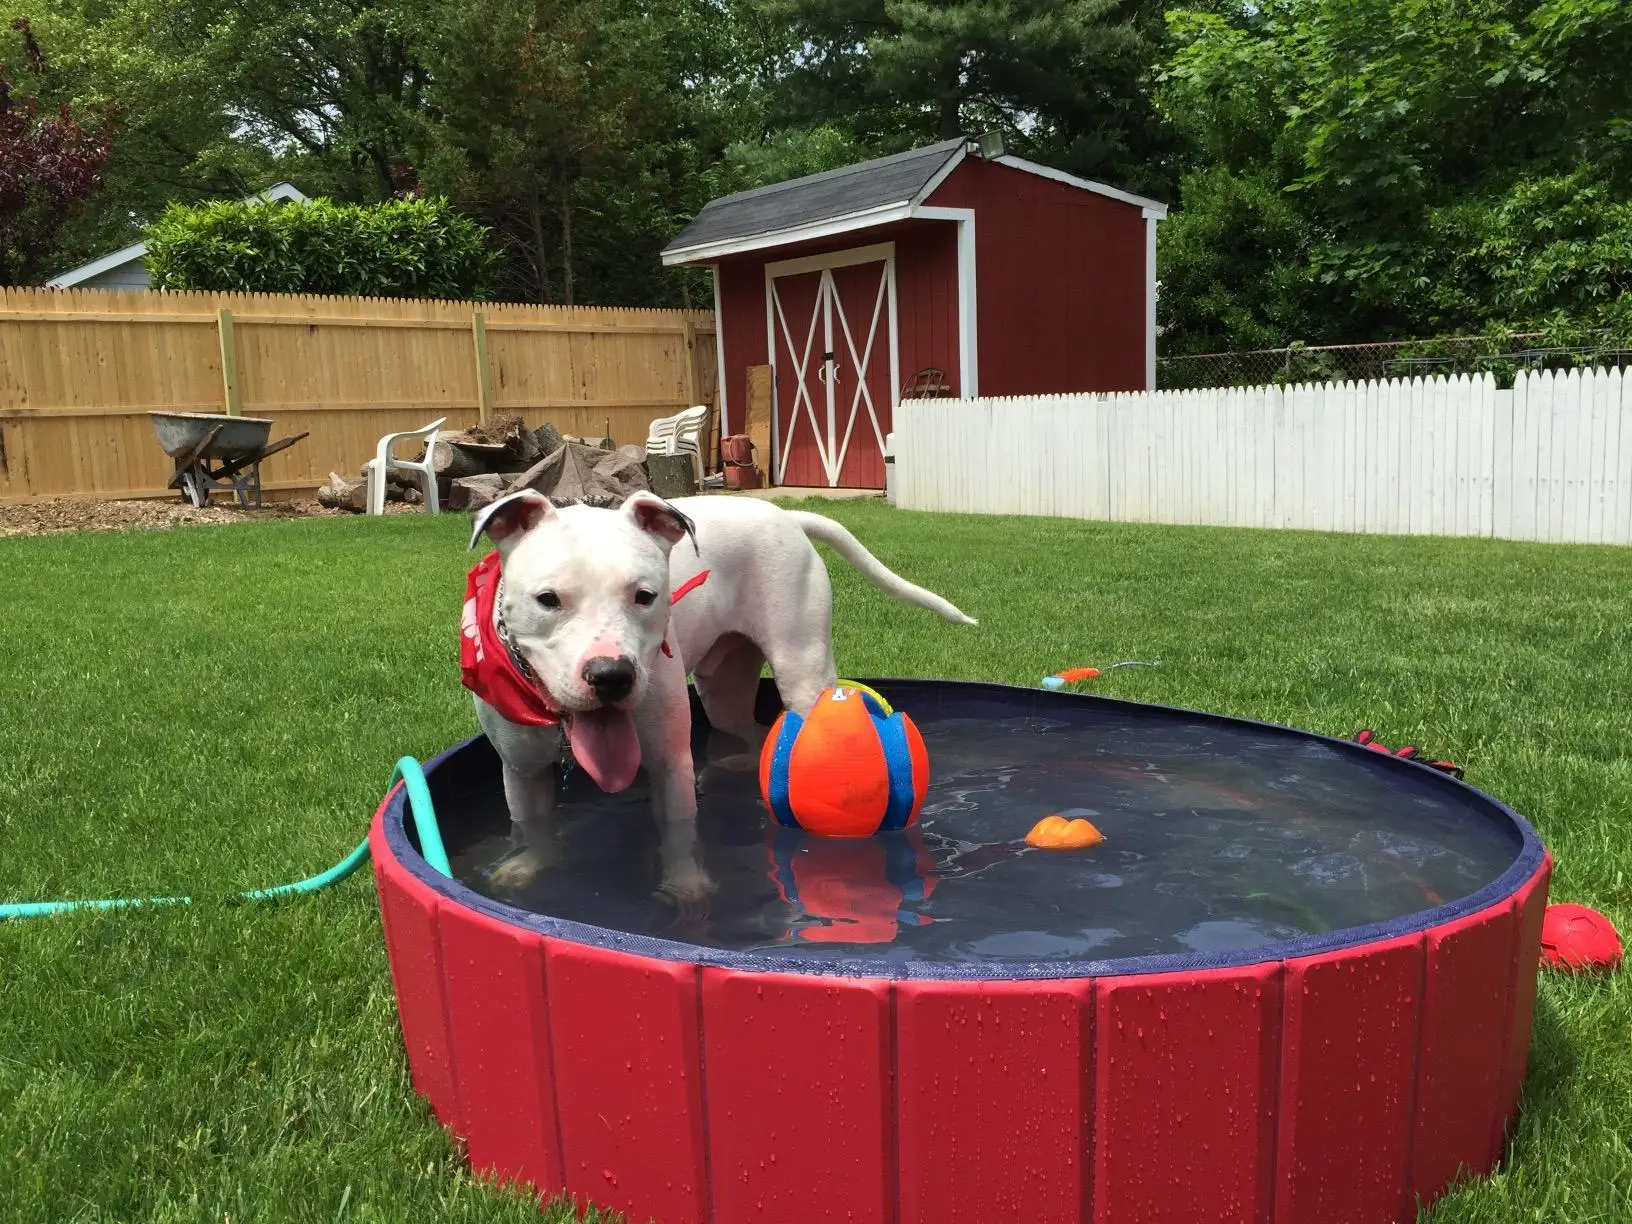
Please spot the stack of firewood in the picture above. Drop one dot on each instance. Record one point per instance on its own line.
(479, 465)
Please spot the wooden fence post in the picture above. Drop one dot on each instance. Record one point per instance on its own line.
(484, 374)
(229, 361)
(691, 362)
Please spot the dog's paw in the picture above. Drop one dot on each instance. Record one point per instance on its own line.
(689, 889)
(741, 762)
(516, 872)
(523, 867)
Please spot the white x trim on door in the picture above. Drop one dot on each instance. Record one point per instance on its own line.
(832, 439)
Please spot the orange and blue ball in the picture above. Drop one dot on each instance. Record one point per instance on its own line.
(851, 768)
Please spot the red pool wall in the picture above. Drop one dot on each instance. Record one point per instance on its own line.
(1332, 1089)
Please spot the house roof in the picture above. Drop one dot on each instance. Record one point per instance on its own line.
(130, 254)
(868, 193)
(113, 259)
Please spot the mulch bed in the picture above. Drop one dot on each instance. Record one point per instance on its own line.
(88, 514)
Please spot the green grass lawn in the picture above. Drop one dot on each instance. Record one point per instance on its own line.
(212, 709)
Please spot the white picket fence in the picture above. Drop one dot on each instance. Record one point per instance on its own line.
(1549, 460)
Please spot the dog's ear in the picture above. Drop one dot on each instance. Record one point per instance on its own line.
(651, 513)
(505, 521)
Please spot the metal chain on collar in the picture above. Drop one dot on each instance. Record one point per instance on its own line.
(516, 657)
(567, 763)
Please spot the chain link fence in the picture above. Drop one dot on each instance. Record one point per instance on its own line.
(1504, 358)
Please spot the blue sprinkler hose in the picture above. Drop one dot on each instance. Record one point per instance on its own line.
(419, 803)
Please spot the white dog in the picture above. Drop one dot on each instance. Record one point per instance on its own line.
(569, 628)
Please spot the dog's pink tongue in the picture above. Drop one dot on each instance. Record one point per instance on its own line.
(605, 744)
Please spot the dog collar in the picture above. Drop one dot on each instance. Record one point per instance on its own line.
(680, 592)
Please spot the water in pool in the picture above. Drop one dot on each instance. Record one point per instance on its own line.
(1217, 836)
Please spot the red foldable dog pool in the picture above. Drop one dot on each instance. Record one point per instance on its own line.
(1294, 983)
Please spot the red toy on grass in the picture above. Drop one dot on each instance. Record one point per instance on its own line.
(1577, 938)
(1368, 738)
(1573, 937)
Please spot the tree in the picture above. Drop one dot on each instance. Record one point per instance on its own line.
(1417, 148)
(326, 81)
(331, 80)
(612, 117)
(579, 130)
(1061, 79)
(584, 133)
(1234, 265)
(221, 98)
(49, 165)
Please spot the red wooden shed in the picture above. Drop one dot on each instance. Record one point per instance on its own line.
(1007, 277)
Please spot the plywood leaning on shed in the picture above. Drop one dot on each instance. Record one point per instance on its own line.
(757, 416)
(80, 369)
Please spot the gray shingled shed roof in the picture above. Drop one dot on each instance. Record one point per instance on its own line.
(868, 185)
(852, 197)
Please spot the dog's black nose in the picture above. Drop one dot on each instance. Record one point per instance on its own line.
(612, 679)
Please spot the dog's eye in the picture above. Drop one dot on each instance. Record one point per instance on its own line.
(549, 599)
(645, 598)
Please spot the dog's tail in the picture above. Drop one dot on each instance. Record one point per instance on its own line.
(852, 550)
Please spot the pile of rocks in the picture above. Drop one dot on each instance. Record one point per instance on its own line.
(479, 465)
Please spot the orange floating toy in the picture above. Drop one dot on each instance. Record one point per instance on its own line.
(1058, 833)
(1076, 675)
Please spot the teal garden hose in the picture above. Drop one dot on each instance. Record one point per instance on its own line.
(419, 803)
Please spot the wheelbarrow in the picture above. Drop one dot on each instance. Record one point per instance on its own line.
(214, 451)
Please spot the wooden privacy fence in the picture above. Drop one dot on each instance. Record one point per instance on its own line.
(79, 369)
(1549, 460)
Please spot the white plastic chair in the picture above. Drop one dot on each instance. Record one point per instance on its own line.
(383, 461)
(680, 434)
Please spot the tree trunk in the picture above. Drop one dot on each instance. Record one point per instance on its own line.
(343, 494)
(382, 171)
(671, 476)
(566, 238)
(451, 461)
(540, 253)
(474, 492)
(951, 122)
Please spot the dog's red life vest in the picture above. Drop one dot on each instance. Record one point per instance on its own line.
(486, 667)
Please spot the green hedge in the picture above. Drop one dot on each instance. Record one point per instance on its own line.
(402, 248)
